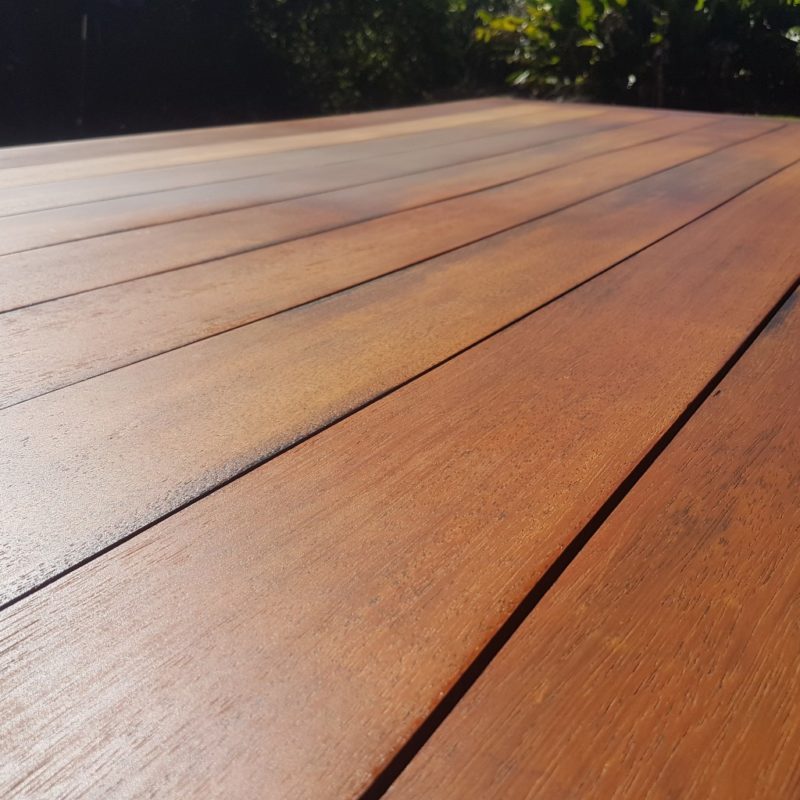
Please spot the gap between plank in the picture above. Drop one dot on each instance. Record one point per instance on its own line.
(411, 265)
(684, 112)
(389, 774)
(112, 137)
(259, 462)
(345, 225)
(246, 206)
(355, 186)
(298, 169)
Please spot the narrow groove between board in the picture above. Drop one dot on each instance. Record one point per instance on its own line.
(403, 268)
(332, 163)
(248, 206)
(282, 136)
(404, 756)
(410, 208)
(432, 107)
(507, 100)
(330, 423)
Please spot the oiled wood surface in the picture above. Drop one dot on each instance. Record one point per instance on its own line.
(83, 220)
(665, 661)
(51, 272)
(294, 415)
(123, 323)
(140, 441)
(26, 155)
(484, 139)
(191, 153)
(358, 573)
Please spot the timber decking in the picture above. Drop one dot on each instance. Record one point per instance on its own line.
(449, 451)
(674, 634)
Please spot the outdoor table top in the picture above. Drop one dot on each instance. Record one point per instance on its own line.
(441, 452)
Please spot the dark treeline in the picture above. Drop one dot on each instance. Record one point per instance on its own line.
(95, 67)
(716, 55)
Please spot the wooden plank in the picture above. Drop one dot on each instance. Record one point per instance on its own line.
(664, 661)
(123, 162)
(83, 220)
(283, 636)
(488, 138)
(55, 152)
(48, 273)
(121, 324)
(143, 440)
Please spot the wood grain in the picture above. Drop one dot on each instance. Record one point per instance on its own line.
(488, 138)
(121, 324)
(123, 162)
(82, 220)
(52, 272)
(664, 662)
(283, 636)
(139, 442)
(56, 152)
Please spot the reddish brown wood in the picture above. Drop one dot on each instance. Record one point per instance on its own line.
(27, 155)
(178, 154)
(285, 635)
(83, 220)
(486, 138)
(137, 440)
(78, 266)
(120, 324)
(664, 662)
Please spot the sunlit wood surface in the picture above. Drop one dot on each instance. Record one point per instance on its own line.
(441, 452)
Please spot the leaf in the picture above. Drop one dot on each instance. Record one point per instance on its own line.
(520, 78)
(507, 24)
(586, 14)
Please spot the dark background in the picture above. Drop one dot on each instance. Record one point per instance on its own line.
(161, 64)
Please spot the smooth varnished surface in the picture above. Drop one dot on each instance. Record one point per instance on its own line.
(290, 374)
(191, 303)
(302, 421)
(675, 633)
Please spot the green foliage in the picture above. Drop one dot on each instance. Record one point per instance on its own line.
(714, 54)
(155, 64)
